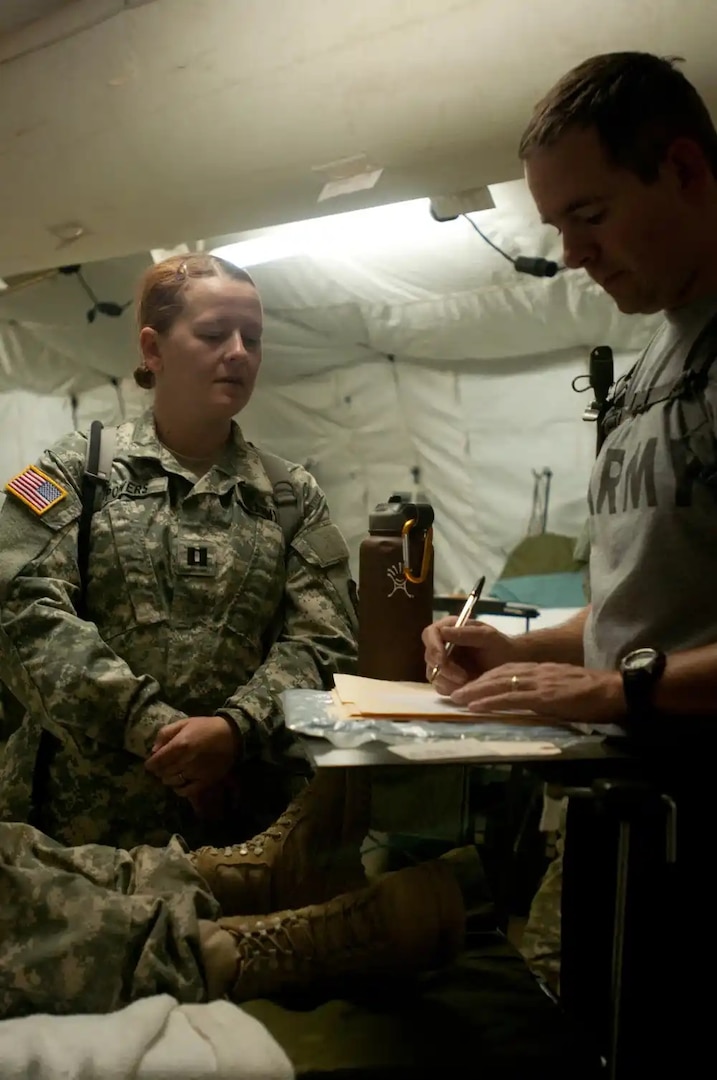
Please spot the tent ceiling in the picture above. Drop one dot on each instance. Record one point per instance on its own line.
(155, 121)
(394, 283)
(17, 13)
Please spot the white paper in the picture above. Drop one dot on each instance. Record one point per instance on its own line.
(472, 749)
(378, 697)
(362, 697)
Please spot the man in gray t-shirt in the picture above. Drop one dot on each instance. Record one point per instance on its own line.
(653, 513)
(621, 157)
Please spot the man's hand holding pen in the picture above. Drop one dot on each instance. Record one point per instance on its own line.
(485, 670)
(462, 654)
(471, 601)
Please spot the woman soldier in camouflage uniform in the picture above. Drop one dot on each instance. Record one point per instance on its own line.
(171, 682)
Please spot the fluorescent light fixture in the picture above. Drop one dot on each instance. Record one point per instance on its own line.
(449, 207)
(338, 234)
(284, 244)
(391, 226)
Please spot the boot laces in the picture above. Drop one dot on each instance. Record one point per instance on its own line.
(339, 928)
(255, 845)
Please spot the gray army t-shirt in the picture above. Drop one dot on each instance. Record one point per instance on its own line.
(653, 509)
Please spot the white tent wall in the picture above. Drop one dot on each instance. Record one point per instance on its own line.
(30, 422)
(476, 434)
(418, 348)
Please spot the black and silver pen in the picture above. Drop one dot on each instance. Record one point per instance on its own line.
(466, 612)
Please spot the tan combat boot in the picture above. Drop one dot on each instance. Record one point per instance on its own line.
(310, 854)
(408, 921)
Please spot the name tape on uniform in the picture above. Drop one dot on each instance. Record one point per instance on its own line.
(36, 490)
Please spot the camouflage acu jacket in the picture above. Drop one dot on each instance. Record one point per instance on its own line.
(185, 576)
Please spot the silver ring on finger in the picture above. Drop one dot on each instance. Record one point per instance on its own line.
(515, 683)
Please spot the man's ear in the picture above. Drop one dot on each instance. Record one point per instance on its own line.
(688, 164)
(149, 345)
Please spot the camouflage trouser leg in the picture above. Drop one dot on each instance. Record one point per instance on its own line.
(540, 944)
(89, 929)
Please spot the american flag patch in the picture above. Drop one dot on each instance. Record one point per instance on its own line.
(36, 490)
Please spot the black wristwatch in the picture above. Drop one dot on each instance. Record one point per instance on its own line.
(641, 669)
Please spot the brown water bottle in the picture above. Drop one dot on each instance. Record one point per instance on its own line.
(395, 590)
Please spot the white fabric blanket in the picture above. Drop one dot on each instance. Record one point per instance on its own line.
(153, 1039)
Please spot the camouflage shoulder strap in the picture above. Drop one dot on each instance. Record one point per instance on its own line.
(289, 505)
(290, 513)
(101, 444)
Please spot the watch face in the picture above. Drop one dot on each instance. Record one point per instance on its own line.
(639, 659)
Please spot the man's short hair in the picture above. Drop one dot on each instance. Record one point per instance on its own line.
(638, 104)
